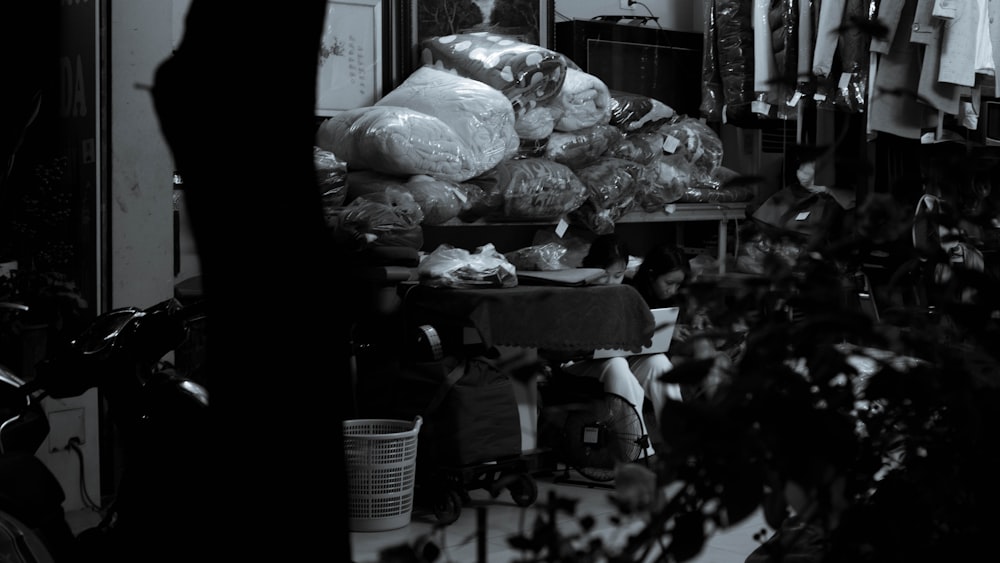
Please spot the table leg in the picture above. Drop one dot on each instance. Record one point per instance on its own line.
(723, 223)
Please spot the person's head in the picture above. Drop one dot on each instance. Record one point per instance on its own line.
(608, 253)
(806, 173)
(663, 270)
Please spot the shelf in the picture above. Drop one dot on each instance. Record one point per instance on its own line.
(680, 212)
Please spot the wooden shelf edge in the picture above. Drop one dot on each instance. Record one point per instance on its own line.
(681, 212)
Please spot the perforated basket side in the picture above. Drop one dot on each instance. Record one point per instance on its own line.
(381, 465)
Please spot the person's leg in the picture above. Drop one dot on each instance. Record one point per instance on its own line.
(647, 370)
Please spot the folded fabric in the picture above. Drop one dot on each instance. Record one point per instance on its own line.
(399, 141)
(634, 112)
(612, 184)
(535, 124)
(388, 218)
(579, 148)
(583, 100)
(698, 142)
(707, 194)
(641, 147)
(664, 181)
(331, 176)
(538, 188)
(480, 115)
(526, 74)
(439, 200)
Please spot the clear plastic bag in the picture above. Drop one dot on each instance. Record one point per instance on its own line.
(538, 257)
(449, 266)
(331, 176)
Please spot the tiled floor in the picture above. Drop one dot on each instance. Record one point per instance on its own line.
(504, 518)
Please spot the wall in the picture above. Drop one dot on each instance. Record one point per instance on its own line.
(137, 213)
(678, 15)
(141, 170)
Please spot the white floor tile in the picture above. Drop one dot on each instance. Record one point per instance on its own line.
(504, 519)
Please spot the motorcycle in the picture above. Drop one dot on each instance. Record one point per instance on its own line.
(159, 416)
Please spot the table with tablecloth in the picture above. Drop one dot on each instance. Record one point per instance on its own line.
(540, 317)
(519, 321)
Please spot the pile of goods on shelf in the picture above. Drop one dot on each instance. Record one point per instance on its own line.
(491, 128)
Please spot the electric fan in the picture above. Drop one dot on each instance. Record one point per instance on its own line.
(601, 433)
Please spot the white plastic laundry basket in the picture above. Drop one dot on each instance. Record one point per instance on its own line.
(381, 458)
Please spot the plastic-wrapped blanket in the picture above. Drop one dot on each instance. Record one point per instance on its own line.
(584, 100)
(480, 115)
(537, 188)
(635, 112)
(526, 74)
(387, 218)
(439, 200)
(698, 142)
(583, 146)
(398, 141)
(535, 124)
(612, 184)
(331, 176)
(665, 180)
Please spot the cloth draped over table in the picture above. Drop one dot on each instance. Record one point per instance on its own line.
(553, 318)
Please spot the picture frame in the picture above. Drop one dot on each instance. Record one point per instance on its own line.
(351, 69)
(536, 27)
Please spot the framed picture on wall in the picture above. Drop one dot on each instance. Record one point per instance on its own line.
(357, 38)
(530, 21)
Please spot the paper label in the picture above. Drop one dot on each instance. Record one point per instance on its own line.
(670, 144)
(794, 101)
(760, 107)
(845, 80)
(802, 216)
(561, 227)
(819, 97)
(459, 194)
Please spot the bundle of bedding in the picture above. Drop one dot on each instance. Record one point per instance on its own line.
(582, 101)
(664, 181)
(391, 217)
(641, 147)
(635, 112)
(435, 123)
(398, 141)
(612, 184)
(439, 200)
(698, 142)
(480, 115)
(582, 147)
(526, 74)
(331, 177)
(537, 189)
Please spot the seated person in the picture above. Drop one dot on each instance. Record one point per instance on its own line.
(635, 377)
(659, 279)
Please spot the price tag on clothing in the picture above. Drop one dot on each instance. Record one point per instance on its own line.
(670, 144)
(561, 227)
(819, 97)
(802, 216)
(794, 101)
(760, 107)
(845, 80)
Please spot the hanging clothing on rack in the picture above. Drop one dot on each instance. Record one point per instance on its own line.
(894, 109)
(926, 31)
